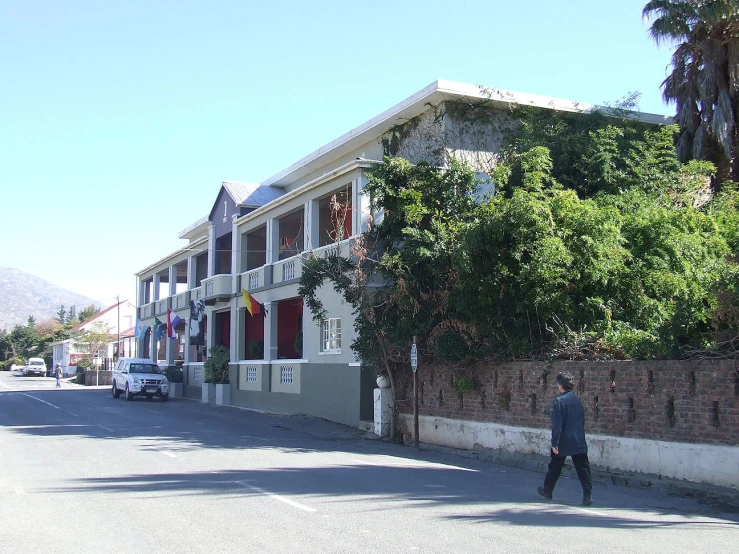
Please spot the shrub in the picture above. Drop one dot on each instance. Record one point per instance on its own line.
(216, 366)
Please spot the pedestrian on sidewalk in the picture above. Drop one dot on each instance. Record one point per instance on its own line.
(568, 439)
(58, 373)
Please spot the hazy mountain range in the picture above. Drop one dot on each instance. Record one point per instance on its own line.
(23, 294)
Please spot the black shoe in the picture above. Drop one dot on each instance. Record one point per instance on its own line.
(545, 494)
(587, 500)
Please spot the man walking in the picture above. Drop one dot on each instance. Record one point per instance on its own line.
(58, 374)
(568, 439)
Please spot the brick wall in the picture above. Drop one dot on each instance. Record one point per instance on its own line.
(685, 401)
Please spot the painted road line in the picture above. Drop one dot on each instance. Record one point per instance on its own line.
(412, 465)
(277, 497)
(166, 453)
(108, 429)
(44, 401)
(6, 386)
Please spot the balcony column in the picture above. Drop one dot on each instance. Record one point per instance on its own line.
(270, 331)
(191, 272)
(153, 345)
(155, 287)
(211, 251)
(235, 258)
(272, 247)
(172, 280)
(234, 332)
(311, 225)
(362, 207)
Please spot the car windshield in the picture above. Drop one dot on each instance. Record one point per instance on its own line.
(144, 368)
(36, 363)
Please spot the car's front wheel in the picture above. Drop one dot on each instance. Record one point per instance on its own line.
(116, 392)
(129, 394)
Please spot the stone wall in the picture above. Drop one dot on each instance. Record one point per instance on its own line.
(681, 401)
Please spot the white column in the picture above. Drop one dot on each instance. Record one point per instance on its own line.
(155, 287)
(211, 251)
(270, 331)
(311, 225)
(235, 331)
(235, 256)
(172, 280)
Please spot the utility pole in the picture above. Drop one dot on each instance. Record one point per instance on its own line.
(414, 367)
(118, 328)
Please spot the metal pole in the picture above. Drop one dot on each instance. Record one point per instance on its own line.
(118, 327)
(415, 404)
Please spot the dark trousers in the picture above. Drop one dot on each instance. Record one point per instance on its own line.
(582, 466)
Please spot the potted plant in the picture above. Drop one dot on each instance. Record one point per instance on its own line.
(175, 377)
(216, 374)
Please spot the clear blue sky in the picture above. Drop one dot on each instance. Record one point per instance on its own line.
(120, 120)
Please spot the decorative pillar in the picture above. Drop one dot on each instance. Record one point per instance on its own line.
(270, 331)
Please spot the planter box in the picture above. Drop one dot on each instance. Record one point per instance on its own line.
(176, 390)
(223, 394)
(209, 391)
(98, 378)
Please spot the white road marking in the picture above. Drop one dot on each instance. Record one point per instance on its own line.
(435, 486)
(19, 491)
(44, 401)
(277, 497)
(412, 465)
(168, 454)
(108, 429)
(6, 386)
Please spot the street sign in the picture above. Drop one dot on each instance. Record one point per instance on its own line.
(414, 358)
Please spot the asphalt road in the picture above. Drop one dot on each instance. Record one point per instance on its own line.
(81, 472)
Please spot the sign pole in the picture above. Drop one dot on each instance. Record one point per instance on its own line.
(414, 367)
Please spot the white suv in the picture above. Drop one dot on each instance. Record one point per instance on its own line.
(35, 366)
(139, 377)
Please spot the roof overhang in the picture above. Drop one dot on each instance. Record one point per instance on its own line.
(434, 94)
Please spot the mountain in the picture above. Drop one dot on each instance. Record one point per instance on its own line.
(23, 294)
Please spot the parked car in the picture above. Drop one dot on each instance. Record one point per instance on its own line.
(35, 366)
(139, 377)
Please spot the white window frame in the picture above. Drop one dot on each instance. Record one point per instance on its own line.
(331, 336)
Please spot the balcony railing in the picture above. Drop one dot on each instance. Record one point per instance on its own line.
(252, 279)
(161, 306)
(218, 287)
(181, 300)
(147, 310)
(287, 270)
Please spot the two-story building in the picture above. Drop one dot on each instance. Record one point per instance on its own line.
(256, 236)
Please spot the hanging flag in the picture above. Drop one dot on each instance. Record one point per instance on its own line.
(172, 321)
(159, 328)
(140, 329)
(252, 306)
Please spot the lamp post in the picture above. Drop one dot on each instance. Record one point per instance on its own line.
(97, 361)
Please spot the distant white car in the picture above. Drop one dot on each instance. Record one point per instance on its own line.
(139, 376)
(35, 366)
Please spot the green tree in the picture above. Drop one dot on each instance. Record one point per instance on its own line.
(88, 312)
(704, 82)
(61, 314)
(72, 316)
(94, 340)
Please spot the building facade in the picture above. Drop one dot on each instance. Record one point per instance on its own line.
(235, 282)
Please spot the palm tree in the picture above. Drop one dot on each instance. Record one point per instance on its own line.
(704, 83)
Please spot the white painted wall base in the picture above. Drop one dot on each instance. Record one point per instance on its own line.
(223, 394)
(383, 411)
(699, 463)
(206, 392)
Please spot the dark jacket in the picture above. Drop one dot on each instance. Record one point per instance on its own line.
(568, 425)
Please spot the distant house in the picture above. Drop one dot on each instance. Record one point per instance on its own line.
(118, 320)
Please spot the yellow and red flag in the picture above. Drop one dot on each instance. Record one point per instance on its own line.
(252, 306)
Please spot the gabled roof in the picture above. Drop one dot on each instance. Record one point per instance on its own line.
(252, 195)
(97, 315)
(249, 195)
